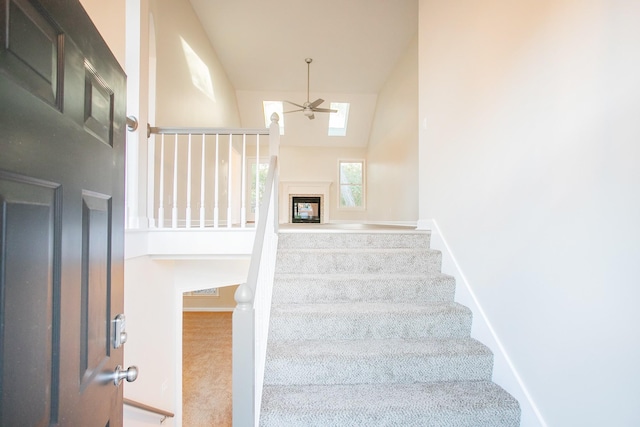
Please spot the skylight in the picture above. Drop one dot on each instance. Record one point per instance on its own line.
(270, 107)
(338, 121)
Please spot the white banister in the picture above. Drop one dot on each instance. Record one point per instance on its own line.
(202, 182)
(188, 209)
(229, 171)
(251, 316)
(161, 197)
(174, 207)
(216, 210)
(256, 214)
(151, 158)
(229, 181)
(243, 197)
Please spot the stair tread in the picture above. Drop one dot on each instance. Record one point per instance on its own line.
(354, 250)
(364, 276)
(452, 403)
(365, 331)
(377, 361)
(355, 308)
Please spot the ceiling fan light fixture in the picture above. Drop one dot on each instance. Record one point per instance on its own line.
(308, 108)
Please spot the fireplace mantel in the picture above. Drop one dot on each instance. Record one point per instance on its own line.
(303, 188)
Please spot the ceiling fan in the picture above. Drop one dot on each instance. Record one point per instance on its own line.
(308, 108)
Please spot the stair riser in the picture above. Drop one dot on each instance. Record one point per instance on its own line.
(450, 417)
(362, 326)
(318, 289)
(353, 240)
(381, 369)
(366, 262)
(450, 404)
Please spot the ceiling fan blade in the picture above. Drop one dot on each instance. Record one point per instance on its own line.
(293, 103)
(292, 111)
(317, 102)
(324, 110)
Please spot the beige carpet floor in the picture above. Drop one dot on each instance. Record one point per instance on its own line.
(206, 369)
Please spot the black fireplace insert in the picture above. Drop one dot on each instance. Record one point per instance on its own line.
(305, 209)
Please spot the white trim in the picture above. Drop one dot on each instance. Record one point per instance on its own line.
(505, 373)
(363, 184)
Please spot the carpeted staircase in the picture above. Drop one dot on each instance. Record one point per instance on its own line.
(365, 332)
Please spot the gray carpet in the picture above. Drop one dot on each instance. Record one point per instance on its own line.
(365, 332)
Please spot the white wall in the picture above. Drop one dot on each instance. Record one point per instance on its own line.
(153, 304)
(179, 101)
(317, 164)
(150, 305)
(392, 155)
(109, 19)
(529, 153)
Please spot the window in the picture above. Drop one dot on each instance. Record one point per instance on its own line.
(270, 107)
(351, 183)
(338, 121)
(262, 169)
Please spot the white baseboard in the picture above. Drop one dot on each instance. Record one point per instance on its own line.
(504, 372)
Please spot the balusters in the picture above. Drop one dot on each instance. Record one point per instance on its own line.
(181, 187)
(243, 180)
(202, 182)
(188, 209)
(216, 211)
(151, 158)
(256, 214)
(174, 208)
(229, 181)
(161, 194)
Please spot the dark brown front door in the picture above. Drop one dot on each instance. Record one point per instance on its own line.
(62, 132)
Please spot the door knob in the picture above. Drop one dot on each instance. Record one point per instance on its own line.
(131, 374)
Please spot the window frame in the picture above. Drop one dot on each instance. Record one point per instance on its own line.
(363, 184)
(339, 131)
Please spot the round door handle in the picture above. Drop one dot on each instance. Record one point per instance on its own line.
(131, 374)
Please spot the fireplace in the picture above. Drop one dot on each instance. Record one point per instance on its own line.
(304, 189)
(306, 209)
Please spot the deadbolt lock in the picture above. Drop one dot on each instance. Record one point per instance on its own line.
(119, 333)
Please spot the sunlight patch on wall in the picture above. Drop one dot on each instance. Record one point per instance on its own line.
(200, 74)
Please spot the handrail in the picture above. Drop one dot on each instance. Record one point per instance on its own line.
(208, 131)
(253, 308)
(162, 412)
(251, 315)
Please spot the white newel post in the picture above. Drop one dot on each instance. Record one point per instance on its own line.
(243, 347)
(274, 136)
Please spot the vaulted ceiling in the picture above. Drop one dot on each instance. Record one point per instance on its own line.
(354, 44)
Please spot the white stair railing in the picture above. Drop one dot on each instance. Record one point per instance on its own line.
(251, 316)
(207, 166)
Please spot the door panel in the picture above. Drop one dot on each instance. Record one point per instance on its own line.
(27, 330)
(62, 130)
(32, 52)
(96, 242)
